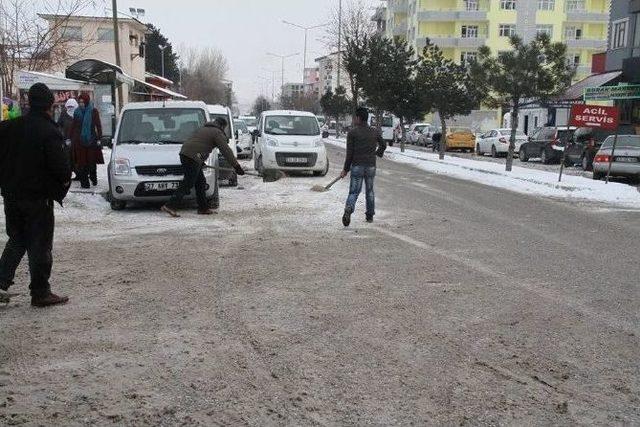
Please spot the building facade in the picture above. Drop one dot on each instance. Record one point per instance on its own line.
(292, 90)
(312, 81)
(461, 27)
(328, 73)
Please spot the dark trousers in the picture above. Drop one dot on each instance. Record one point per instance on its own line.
(30, 226)
(193, 177)
(86, 173)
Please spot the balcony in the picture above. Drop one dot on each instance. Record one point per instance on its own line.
(460, 11)
(449, 41)
(400, 29)
(398, 6)
(587, 16)
(593, 44)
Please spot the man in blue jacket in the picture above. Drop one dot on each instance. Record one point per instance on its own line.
(34, 172)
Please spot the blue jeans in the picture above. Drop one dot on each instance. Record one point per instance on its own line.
(358, 174)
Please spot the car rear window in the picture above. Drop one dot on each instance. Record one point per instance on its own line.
(631, 141)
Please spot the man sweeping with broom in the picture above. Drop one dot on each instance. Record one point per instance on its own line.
(363, 144)
(193, 154)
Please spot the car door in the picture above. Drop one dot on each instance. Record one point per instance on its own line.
(488, 141)
(530, 146)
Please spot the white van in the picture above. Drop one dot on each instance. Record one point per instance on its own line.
(389, 126)
(216, 111)
(290, 140)
(145, 162)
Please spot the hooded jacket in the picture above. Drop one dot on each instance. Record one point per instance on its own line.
(33, 163)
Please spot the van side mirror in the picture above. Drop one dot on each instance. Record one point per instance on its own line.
(255, 133)
(237, 134)
(325, 134)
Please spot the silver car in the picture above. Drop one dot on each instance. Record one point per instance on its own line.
(626, 158)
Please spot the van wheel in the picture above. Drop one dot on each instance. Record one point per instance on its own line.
(117, 205)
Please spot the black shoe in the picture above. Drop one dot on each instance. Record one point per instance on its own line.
(346, 218)
(369, 218)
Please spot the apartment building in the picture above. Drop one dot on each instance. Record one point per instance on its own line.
(293, 90)
(312, 81)
(328, 73)
(460, 27)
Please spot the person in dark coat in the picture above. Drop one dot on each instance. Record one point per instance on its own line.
(363, 144)
(86, 133)
(65, 123)
(34, 172)
(193, 154)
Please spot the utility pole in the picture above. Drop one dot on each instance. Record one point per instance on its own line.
(306, 30)
(162, 48)
(339, 41)
(116, 42)
(282, 58)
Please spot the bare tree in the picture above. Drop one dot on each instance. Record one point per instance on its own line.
(203, 75)
(27, 42)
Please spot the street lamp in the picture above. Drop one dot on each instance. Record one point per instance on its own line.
(162, 47)
(306, 29)
(282, 58)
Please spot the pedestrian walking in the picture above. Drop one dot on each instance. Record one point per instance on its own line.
(34, 172)
(193, 154)
(65, 123)
(435, 141)
(363, 144)
(86, 133)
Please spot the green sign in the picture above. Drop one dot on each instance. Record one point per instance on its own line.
(607, 93)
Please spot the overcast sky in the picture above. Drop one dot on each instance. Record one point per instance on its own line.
(245, 30)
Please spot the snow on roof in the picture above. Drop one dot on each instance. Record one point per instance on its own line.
(164, 104)
(157, 77)
(576, 91)
(288, 113)
(217, 109)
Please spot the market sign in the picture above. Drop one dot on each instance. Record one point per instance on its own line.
(606, 93)
(595, 116)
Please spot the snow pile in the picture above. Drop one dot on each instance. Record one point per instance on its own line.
(521, 180)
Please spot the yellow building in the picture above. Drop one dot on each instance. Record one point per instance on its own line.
(460, 27)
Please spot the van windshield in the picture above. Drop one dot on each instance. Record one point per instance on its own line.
(291, 125)
(387, 122)
(159, 125)
(250, 121)
(241, 125)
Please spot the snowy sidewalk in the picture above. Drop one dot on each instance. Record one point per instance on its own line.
(521, 180)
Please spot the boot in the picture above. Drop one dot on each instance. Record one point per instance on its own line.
(48, 300)
(369, 218)
(346, 218)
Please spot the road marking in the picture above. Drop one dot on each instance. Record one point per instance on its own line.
(552, 295)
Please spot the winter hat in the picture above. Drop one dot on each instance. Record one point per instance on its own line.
(84, 97)
(40, 97)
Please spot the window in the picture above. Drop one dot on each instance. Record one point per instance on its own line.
(469, 31)
(619, 33)
(575, 5)
(158, 125)
(472, 5)
(544, 29)
(466, 57)
(72, 33)
(508, 4)
(546, 4)
(573, 60)
(105, 34)
(573, 32)
(507, 30)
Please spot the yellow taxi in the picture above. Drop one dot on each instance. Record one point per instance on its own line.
(461, 139)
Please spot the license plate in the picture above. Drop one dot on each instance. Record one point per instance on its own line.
(161, 186)
(296, 160)
(627, 159)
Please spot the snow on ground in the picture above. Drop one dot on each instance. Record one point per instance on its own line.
(251, 207)
(521, 180)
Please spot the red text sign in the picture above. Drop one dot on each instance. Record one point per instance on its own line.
(595, 116)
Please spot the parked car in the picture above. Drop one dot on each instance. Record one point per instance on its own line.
(244, 145)
(290, 140)
(426, 138)
(587, 141)
(496, 142)
(251, 122)
(626, 158)
(415, 131)
(547, 144)
(145, 162)
(459, 138)
(224, 112)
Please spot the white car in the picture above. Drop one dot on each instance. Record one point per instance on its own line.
(291, 141)
(244, 139)
(221, 111)
(496, 142)
(251, 121)
(145, 163)
(415, 130)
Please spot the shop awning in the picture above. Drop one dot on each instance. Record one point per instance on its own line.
(148, 89)
(25, 79)
(576, 92)
(97, 71)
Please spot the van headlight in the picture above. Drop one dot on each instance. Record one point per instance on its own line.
(271, 142)
(318, 143)
(121, 167)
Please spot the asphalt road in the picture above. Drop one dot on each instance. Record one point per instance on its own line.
(462, 304)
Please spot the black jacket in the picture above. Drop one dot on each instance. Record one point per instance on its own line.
(363, 143)
(33, 164)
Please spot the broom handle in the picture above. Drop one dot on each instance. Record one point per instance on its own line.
(230, 170)
(333, 182)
